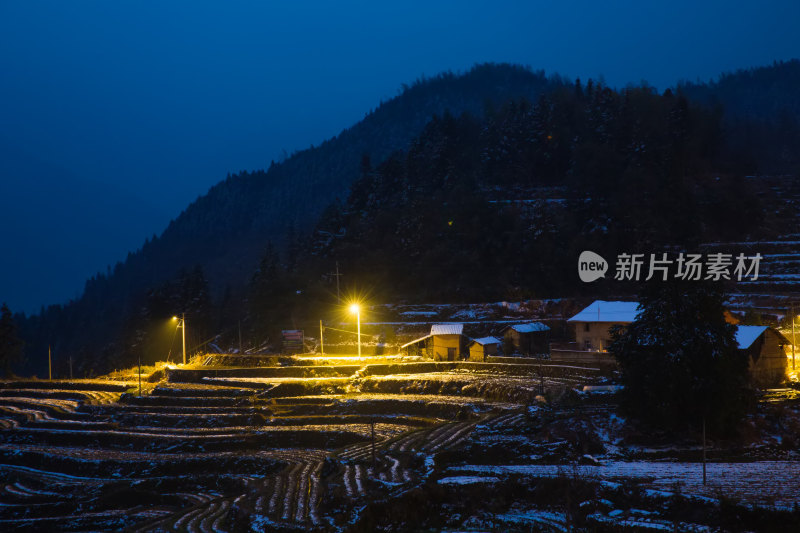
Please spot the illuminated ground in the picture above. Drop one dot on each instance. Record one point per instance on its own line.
(457, 446)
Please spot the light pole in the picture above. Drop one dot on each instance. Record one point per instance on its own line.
(182, 325)
(792, 336)
(355, 308)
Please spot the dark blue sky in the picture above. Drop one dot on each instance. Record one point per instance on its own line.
(115, 115)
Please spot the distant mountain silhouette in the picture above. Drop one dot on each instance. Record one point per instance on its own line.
(761, 92)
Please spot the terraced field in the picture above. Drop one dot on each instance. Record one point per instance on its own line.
(222, 449)
(423, 445)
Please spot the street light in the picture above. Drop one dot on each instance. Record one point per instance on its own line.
(356, 309)
(182, 325)
(792, 336)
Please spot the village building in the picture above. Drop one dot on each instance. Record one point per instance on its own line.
(592, 332)
(445, 342)
(480, 349)
(766, 352)
(527, 339)
(764, 346)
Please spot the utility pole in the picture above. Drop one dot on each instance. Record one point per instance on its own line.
(321, 342)
(338, 297)
(372, 427)
(70, 366)
(704, 450)
(49, 364)
(240, 337)
(183, 335)
(140, 374)
(541, 380)
(792, 311)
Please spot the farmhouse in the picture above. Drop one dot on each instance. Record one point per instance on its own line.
(480, 349)
(592, 335)
(446, 341)
(592, 325)
(763, 345)
(443, 343)
(528, 338)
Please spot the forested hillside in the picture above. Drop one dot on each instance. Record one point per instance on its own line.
(761, 115)
(226, 231)
(483, 185)
(501, 207)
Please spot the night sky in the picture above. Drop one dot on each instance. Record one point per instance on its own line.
(114, 116)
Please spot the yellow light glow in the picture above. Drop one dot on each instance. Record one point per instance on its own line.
(354, 308)
(174, 318)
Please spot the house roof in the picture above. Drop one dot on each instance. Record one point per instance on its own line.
(603, 311)
(483, 341)
(529, 327)
(447, 329)
(747, 335)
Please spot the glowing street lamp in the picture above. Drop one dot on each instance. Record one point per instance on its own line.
(182, 325)
(356, 309)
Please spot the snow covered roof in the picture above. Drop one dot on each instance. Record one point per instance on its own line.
(747, 335)
(483, 341)
(602, 311)
(447, 329)
(529, 327)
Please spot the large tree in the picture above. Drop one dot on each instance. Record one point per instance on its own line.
(680, 361)
(11, 346)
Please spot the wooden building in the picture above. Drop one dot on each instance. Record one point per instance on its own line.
(480, 349)
(766, 354)
(527, 339)
(445, 342)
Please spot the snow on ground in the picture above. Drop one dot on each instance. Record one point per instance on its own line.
(761, 482)
(467, 480)
(528, 517)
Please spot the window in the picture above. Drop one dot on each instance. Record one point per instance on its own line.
(586, 326)
(587, 345)
(451, 354)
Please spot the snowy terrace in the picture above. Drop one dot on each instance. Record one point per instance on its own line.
(763, 482)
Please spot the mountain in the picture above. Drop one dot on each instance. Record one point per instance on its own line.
(480, 185)
(227, 230)
(761, 109)
(754, 93)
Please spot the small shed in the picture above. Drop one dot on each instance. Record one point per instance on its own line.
(446, 341)
(766, 355)
(480, 349)
(528, 338)
(443, 343)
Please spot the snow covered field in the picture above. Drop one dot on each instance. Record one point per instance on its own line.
(761, 482)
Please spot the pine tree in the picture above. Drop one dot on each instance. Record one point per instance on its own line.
(11, 346)
(680, 361)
